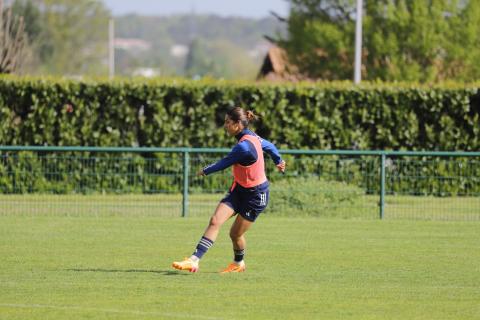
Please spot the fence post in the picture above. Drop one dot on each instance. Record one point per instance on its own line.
(382, 186)
(186, 170)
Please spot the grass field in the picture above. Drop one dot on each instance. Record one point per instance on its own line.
(201, 205)
(118, 267)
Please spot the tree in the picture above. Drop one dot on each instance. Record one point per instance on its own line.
(402, 40)
(12, 40)
(219, 59)
(422, 40)
(198, 63)
(39, 40)
(67, 36)
(320, 38)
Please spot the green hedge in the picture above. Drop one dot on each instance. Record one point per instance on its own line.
(190, 113)
(30, 172)
(174, 113)
(103, 173)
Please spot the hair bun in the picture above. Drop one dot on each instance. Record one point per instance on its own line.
(251, 116)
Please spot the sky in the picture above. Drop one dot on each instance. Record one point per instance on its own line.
(241, 8)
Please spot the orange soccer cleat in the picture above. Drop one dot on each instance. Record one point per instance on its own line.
(234, 267)
(187, 265)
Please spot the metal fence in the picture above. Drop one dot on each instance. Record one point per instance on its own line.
(161, 182)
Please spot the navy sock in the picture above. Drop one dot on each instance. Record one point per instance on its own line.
(202, 247)
(239, 254)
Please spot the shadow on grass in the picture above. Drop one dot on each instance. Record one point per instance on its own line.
(162, 272)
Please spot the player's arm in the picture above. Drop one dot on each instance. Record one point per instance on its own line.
(238, 153)
(272, 151)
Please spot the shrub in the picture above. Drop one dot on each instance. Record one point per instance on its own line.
(312, 196)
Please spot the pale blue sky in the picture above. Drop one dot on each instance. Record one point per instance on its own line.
(242, 8)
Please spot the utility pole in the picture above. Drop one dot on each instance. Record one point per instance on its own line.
(111, 48)
(357, 77)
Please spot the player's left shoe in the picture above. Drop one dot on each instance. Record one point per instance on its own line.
(234, 267)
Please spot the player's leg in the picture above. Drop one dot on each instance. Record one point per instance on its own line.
(251, 206)
(237, 234)
(222, 214)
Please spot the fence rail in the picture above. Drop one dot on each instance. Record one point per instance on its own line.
(409, 180)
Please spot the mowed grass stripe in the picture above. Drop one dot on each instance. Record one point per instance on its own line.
(115, 311)
(296, 268)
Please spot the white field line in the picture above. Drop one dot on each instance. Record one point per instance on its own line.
(118, 311)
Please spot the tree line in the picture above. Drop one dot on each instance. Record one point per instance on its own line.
(64, 37)
(70, 37)
(421, 41)
(403, 40)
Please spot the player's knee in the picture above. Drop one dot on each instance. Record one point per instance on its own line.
(234, 235)
(215, 222)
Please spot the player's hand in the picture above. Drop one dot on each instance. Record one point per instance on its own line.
(200, 173)
(281, 166)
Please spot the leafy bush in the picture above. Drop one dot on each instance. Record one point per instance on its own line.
(180, 113)
(173, 113)
(312, 196)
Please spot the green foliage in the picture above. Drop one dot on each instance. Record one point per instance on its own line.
(66, 173)
(320, 48)
(199, 63)
(403, 40)
(40, 41)
(444, 177)
(68, 37)
(174, 113)
(312, 196)
(219, 59)
(228, 43)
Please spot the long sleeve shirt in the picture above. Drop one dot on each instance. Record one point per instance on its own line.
(244, 153)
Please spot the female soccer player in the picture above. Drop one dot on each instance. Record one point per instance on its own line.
(248, 195)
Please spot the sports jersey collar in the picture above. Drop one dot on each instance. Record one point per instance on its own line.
(243, 132)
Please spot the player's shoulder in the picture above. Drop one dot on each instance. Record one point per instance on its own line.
(242, 145)
(254, 134)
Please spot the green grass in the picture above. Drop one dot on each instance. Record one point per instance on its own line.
(118, 267)
(432, 208)
(201, 205)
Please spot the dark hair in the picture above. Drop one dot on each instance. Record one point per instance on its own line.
(239, 114)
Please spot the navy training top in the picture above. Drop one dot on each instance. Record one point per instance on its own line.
(244, 153)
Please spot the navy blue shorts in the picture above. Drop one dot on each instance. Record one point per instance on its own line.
(248, 202)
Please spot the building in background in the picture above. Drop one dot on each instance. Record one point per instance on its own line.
(276, 67)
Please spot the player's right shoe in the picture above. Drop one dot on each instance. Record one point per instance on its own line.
(186, 265)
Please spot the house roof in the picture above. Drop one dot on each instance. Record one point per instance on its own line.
(276, 67)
